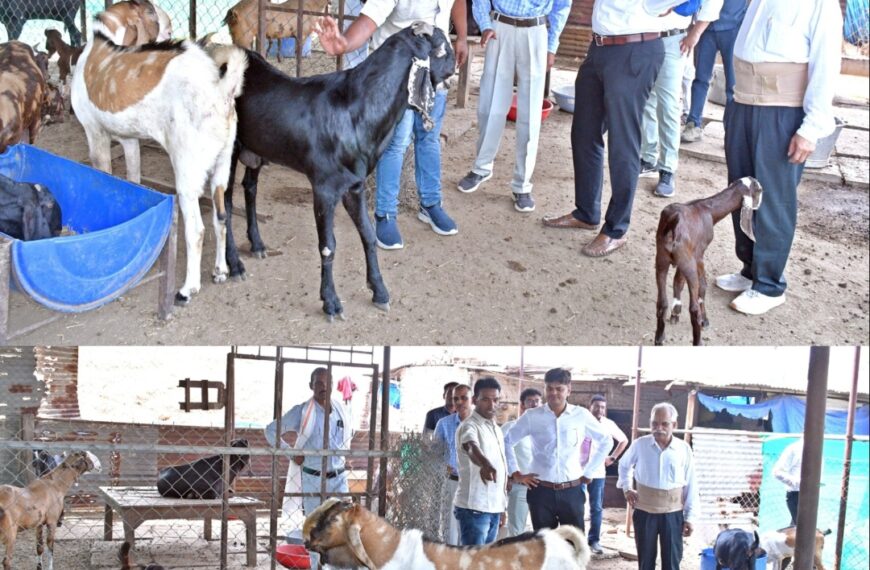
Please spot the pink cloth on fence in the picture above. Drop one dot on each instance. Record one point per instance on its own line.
(347, 388)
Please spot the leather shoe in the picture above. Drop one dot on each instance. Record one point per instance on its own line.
(568, 221)
(603, 245)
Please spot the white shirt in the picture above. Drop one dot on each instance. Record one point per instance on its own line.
(708, 12)
(669, 468)
(472, 492)
(619, 17)
(798, 31)
(556, 442)
(788, 466)
(615, 433)
(393, 16)
(522, 449)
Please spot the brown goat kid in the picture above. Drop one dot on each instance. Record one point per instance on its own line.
(67, 56)
(241, 19)
(684, 232)
(25, 96)
(40, 506)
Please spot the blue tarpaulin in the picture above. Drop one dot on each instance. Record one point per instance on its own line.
(787, 414)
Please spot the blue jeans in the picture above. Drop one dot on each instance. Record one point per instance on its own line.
(710, 42)
(476, 527)
(427, 160)
(596, 500)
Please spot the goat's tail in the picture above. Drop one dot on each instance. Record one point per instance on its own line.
(232, 62)
(576, 538)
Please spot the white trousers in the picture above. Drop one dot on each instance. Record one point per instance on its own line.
(449, 523)
(521, 52)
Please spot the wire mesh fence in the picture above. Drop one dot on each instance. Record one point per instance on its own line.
(856, 25)
(228, 21)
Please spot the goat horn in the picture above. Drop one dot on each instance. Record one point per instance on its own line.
(356, 546)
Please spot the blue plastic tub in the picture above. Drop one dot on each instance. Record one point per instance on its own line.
(288, 48)
(119, 229)
(708, 561)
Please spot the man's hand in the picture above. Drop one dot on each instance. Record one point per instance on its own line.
(551, 59)
(487, 472)
(800, 149)
(333, 42)
(460, 47)
(687, 529)
(631, 497)
(688, 43)
(529, 479)
(502, 520)
(585, 480)
(298, 459)
(486, 36)
(609, 460)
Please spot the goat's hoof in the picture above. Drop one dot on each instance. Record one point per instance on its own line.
(331, 318)
(181, 300)
(675, 319)
(705, 324)
(259, 254)
(238, 277)
(385, 307)
(219, 277)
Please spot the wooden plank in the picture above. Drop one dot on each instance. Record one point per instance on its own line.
(853, 143)
(5, 276)
(855, 172)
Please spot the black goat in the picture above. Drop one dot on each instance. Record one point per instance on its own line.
(201, 479)
(15, 13)
(28, 211)
(737, 549)
(333, 128)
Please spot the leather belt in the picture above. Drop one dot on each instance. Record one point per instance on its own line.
(329, 474)
(453, 477)
(519, 22)
(601, 41)
(674, 32)
(560, 486)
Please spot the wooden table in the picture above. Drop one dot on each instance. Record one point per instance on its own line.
(136, 505)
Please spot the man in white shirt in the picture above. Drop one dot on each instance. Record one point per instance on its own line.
(661, 116)
(788, 470)
(786, 65)
(557, 431)
(378, 20)
(611, 89)
(518, 507)
(598, 407)
(666, 493)
(481, 496)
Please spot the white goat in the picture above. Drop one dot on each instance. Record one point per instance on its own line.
(40, 505)
(178, 95)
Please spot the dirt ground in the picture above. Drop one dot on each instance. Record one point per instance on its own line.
(504, 279)
(179, 545)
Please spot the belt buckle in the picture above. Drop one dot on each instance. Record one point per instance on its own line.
(560, 486)
(599, 40)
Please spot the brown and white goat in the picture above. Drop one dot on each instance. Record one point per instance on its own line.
(779, 546)
(348, 536)
(40, 505)
(25, 95)
(178, 95)
(684, 232)
(242, 18)
(67, 56)
(135, 23)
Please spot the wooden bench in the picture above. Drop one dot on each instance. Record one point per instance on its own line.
(136, 505)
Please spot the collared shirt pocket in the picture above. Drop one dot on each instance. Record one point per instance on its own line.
(573, 437)
(786, 40)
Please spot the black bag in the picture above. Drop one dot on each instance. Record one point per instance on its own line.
(28, 211)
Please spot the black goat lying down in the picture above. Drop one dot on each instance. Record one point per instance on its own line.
(28, 211)
(333, 128)
(202, 478)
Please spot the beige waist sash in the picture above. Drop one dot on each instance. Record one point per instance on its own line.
(770, 84)
(659, 501)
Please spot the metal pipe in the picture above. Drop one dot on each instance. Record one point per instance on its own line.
(634, 431)
(299, 39)
(229, 431)
(277, 414)
(373, 431)
(192, 20)
(261, 27)
(385, 433)
(847, 461)
(199, 449)
(811, 462)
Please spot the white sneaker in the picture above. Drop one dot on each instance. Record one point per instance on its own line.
(751, 302)
(733, 282)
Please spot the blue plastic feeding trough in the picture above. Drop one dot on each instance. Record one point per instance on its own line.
(117, 228)
(288, 47)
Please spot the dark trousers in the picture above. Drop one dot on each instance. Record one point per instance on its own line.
(611, 89)
(756, 144)
(650, 531)
(791, 499)
(550, 508)
(711, 41)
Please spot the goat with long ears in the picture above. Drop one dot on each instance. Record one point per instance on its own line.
(39, 505)
(684, 232)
